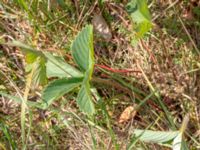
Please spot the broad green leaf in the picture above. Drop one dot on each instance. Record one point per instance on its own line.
(57, 67)
(138, 10)
(83, 54)
(177, 142)
(82, 49)
(84, 99)
(58, 88)
(156, 136)
(140, 15)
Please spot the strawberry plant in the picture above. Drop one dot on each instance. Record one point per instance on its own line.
(83, 54)
(43, 64)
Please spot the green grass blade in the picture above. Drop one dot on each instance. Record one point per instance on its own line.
(8, 136)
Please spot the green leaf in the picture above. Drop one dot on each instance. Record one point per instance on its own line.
(57, 67)
(82, 49)
(83, 54)
(58, 88)
(140, 15)
(84, 99)
(36, 61)
(39, 71)
(143, 28)
(156, 136)
(138, 10)
(177, 142)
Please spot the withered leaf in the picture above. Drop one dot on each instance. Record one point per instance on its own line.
(101, 27)
(127, 114)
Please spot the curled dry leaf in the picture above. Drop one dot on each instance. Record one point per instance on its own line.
(101, 27)
(127, 114)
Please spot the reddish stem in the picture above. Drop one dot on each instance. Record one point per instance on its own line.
(117, 70)
(109, 68)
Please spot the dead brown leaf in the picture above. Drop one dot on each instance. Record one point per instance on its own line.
(101, 27)
(127, 114)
